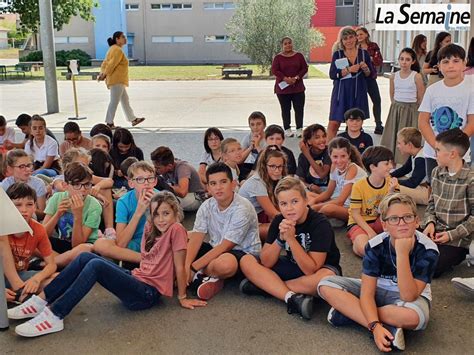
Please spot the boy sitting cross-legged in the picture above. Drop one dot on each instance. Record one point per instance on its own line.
(231, 223)
(394, 293)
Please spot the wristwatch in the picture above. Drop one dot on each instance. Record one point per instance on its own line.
(372, 325)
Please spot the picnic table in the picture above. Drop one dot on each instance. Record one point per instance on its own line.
(235, 69)
(17, 70)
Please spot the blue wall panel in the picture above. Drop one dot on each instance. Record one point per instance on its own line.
(109, 17)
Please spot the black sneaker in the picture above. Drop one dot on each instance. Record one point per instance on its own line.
(398, 342)
(302, 304)
(337, 319)
(193, 286)
(248, 288)
(378, 129)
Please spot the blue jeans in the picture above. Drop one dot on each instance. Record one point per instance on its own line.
(78, 278)
(46, 172)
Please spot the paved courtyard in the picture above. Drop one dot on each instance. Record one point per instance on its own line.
(177, 113)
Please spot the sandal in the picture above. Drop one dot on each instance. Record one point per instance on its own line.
(137, 121)
(111, 126)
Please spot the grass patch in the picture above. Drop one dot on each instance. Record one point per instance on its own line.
(184, 72)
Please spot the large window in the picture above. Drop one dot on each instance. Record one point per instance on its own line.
(71, 40)
(172, 6)
(132, 7)
(216, 38)
(172, 39)
(219, 5)
(344, 3)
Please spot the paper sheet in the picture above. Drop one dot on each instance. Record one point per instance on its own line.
(11, 221)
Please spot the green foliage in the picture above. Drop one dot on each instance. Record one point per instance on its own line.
(258, 26)
(61, 57)
(63, 10)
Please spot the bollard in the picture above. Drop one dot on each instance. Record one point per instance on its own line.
(74, 69)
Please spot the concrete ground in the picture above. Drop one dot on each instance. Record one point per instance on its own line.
(177, 113)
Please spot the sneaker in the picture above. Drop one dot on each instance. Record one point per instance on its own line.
(289, 133)
(299, 133)
(398, 342)
(337, 319)
(110, 233)
(209, 287)
(29, 309)
(378, 129)
(248, 288)
(302, 304)
(46, 322)
(464, 284)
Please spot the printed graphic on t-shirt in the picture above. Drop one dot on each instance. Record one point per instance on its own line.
(65, 224)
(304, 239)
(445, 118)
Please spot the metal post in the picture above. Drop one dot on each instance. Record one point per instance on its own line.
(49, 56)
(3, 302)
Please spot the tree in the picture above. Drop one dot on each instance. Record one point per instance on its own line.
(258, 26)
(63, 10)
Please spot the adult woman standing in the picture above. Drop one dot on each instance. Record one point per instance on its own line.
(350, 66)
(419, 46)
(363, 39)
(430, 67)
(114, 71)
(289, 67)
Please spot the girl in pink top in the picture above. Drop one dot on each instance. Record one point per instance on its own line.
(163, 253)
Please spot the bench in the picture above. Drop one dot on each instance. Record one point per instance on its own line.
(3, 72)
(35, 65)
(94, 74)
(234, 69)
(20, 69)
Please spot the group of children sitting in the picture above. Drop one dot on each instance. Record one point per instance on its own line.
(94, 204)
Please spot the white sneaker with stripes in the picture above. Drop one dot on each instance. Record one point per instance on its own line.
(29, 309)
(45, 323)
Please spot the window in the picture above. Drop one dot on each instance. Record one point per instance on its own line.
(173, 6)
(60, 40)
(340, 3)
(132, 7)
(78, 39)
(219, 6)
(216, 38)
(172, 39)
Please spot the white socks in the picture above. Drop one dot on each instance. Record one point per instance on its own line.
(288, 295)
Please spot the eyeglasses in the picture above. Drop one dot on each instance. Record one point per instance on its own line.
(395, 220)
(24, 166)
(213, 139)
(275, 167)
(78, 185)
(141, 180)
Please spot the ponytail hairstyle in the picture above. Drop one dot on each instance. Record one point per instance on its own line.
(415, 66)
(37, 118)
(113, 40)
(160, 198)
(343, 143)
(272, 151)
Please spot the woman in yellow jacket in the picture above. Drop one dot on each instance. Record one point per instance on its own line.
(114, 71)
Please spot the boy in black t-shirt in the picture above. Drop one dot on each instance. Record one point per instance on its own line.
(394, 293)
(311, 252)
(354, 133)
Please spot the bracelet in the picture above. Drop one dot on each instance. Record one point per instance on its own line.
(180, 298)
(372, 325)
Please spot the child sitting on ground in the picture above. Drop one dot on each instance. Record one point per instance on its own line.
(73, 138)
(314, 163)
(7, 134)
(413, 172)
(18, 249)
(394, 293)
(232, 155)
(230, 222)
(354, 119)
(102, 142)
(364, 220)
(449, 217)
(212, 154)
(23, 123)
(253, 143)
(346, 169)
(181, 177)
(163, 254)
(75, 213)
(130, 215)
(311, 252)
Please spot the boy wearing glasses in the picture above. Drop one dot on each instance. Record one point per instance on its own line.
(130, 215)
(394, 292)
(74, 213)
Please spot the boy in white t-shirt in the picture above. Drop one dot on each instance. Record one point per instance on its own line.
(447, 104)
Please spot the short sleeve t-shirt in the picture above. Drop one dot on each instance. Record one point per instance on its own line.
(23, 247)
(207, 159)
(252, 157)
(307, 173)
(448, 108)
(124, 210)
(367, 197)
(361, 143)
(380, 261)
(290, 161)
(182, 170)
(36, 183)
(91, 214)
(252, 188)
(49, 148)
(156, 265)
(85, 143)
(237, 224)
(9, 135)
(315, 234)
